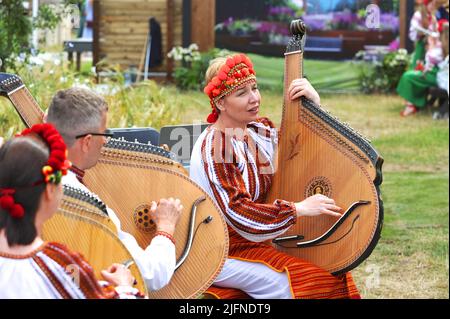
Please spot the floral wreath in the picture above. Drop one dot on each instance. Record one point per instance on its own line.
(441, 24)
(237, 70)
(56, 166)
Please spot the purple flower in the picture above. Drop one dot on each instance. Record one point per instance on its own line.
(315, 22)
(394, 45)
(281, 11)
(389, 21)
(273, 27)
(228, 21)
(344, 17)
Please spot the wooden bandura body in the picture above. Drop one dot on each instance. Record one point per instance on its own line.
(319, 154)
(127, 177)
(133, 184)
(82, 224)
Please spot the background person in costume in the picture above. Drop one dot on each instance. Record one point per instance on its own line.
(414, 84)
(233, 161)
(31, 168)
(424, 19)
(81, 116)
(442, 10)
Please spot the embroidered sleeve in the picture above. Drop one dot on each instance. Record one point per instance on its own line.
(416, 21)
(252, 220)
(85, 277)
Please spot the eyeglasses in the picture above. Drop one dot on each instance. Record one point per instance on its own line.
(108, 134)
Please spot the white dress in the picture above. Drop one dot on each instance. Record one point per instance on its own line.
(52, 271)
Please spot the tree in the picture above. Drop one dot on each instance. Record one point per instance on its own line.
(16, 27)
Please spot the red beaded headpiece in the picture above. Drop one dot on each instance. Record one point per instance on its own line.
(441, 24)
(56, 166)
(237, 70)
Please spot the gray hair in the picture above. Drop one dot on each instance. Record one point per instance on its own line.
(76, 111)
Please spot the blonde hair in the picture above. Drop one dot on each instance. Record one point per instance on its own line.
(214, 67)
(424, 14)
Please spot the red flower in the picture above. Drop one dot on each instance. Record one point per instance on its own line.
(222, 76)
(6, 202)
(226, 69)
(441, 24)
(230, 62)
(215, 81)
(17, 211)
(212, 117)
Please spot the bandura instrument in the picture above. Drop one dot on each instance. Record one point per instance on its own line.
(319, 154)
(127, 177)
(82, 224)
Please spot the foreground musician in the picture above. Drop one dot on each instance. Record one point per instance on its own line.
(81, 115)
(232, 161)
(31, 167)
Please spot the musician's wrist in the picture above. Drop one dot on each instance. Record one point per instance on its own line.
(166, 229)
(299, 209)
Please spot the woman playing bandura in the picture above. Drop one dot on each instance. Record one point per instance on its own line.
(233, 161)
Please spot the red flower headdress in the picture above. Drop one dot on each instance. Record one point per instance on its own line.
(237, 70)
(56, 166)
(441, 24)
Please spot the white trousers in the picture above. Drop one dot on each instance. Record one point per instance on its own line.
(254, 278)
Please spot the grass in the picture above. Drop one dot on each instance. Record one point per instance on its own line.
(411, 258)
(324, 75)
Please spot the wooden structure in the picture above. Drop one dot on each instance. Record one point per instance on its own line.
(406, 12)
(121, 28)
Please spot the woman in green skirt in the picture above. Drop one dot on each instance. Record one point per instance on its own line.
(414, 84)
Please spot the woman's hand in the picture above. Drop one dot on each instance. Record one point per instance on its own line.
(166, 214)
(316, 205)
(1, 141)
(118, 275)
(302, 87)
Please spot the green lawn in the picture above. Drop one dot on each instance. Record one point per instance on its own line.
(324, 75)
(411, 258)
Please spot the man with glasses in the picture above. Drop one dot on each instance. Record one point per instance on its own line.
(80, 115)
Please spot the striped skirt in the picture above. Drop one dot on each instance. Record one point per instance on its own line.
(307, 280)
